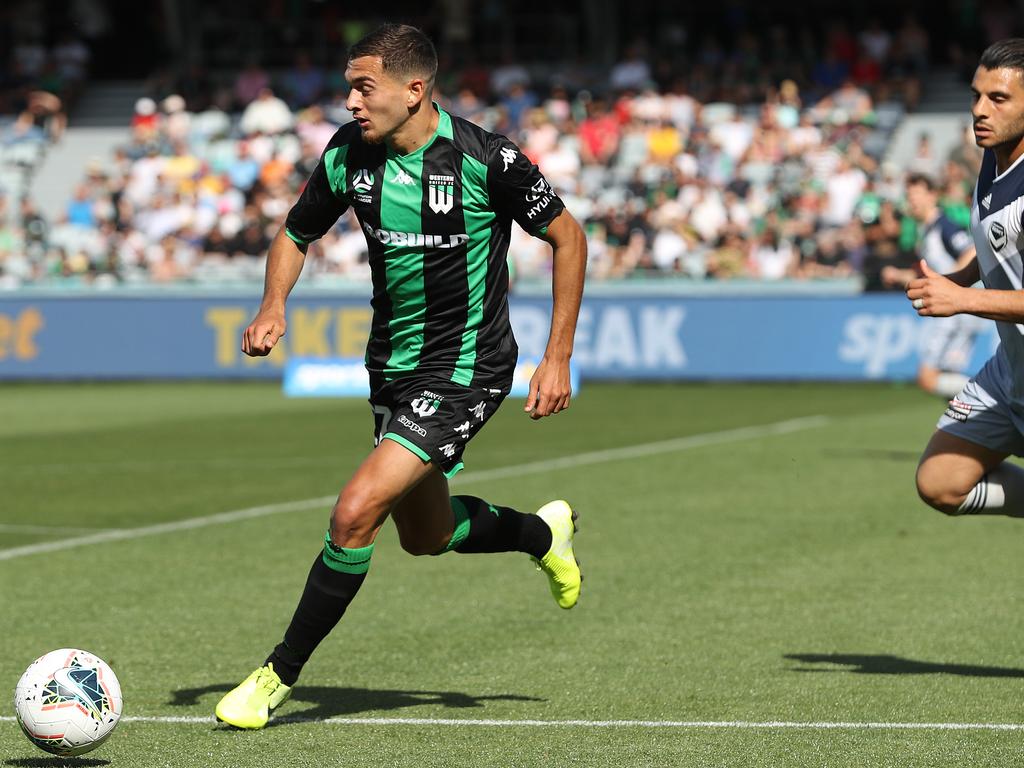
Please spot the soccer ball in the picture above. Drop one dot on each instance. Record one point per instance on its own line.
(68, 702)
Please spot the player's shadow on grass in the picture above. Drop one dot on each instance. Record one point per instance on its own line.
(54, 762)
(882, 664)
(338, 702)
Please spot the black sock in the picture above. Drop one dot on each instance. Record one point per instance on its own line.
(333, 581)
(483, 527)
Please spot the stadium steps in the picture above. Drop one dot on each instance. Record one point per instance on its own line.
(65, 164)
(107, 104)
(945, 91)
(944, 113)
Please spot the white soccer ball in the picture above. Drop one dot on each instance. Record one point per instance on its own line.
(68, 702)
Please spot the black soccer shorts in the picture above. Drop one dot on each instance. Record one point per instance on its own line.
(432, 417)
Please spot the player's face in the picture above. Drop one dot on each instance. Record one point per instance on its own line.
(377, 101)
(998, 106)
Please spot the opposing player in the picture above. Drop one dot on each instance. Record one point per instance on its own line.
(964, 468)
(436, 197)
(945, 247)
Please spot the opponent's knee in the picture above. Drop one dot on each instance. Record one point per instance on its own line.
(939, 494)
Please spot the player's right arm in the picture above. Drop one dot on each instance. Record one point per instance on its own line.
(321, 203)
(284, 265)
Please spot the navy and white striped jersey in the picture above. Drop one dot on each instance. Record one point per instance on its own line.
(942, 243)
(997, 223)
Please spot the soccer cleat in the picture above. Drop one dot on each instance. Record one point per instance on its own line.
(560, 563)
(250, 704)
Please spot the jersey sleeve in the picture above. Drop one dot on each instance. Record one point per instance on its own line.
(518, 189)
(954, 239)
(321, 203)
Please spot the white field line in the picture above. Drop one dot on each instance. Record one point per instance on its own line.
(516, 470)
(13, 528)
(668, 724)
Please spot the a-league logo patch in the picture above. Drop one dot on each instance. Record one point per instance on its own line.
(362, 181)
(997, 235)
(958, 410)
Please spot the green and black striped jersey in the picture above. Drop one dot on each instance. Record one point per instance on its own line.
(437, 222)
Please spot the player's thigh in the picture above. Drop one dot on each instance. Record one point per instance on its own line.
(424, 517)
(384, 478)
(951, 466)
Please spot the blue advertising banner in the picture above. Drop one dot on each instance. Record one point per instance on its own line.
(656, 337)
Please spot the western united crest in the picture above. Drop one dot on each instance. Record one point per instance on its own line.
(441, 193)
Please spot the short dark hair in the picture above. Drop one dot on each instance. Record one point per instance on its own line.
(923, 179)
(403, 50)
(1005, 54)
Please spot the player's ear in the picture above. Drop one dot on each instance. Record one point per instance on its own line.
(417, 89)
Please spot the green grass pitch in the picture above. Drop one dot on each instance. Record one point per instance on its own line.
(747, 575)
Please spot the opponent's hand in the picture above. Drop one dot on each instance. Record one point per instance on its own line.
(263, 332)
(549, 389)
(934, 295)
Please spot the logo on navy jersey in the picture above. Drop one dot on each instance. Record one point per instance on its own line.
(997, 235)
(987, 201)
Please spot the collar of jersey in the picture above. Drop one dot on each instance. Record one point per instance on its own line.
(442, 116)
(1000, 177)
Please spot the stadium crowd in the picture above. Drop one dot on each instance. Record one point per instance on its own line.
(748, 164)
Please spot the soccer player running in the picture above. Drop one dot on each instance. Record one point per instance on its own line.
(435, 196)
(964, 468)
(945, 247)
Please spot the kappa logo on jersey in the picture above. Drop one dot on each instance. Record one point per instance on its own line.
(508, 156)
(442, 193)
(424, 407)
(403, 178)
(448, 450)
(997, 235)
(362, 181)
(987, 201)
(463, 430)
(478, 410)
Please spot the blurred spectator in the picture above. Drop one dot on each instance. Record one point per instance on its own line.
(249, 83)
(266, 114)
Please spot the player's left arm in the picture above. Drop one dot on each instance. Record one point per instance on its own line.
(519, 190)
(550, 389)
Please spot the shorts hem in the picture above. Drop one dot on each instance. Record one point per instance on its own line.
(450, 473)
(408, 445)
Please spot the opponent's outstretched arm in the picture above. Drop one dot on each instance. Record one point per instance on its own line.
(935, 295)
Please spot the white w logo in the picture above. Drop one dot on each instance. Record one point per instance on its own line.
(441, 199)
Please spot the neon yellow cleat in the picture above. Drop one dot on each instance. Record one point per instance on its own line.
(560, 562)
(250, 704)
